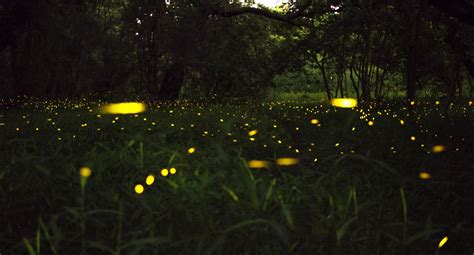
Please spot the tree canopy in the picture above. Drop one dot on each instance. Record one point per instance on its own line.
(219, 48)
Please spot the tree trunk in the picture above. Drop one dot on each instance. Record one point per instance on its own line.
(411, 74)
(354, 84)
(411, 54)
(325, 79)
(172, 82)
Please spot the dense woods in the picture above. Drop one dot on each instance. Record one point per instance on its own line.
(207, 48)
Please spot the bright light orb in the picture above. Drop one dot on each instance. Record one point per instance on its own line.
(344, 102)
(85, 172)
(139, 189)
(314, 121)
(438, 148)
(424, 175)
(123, 108)
(253, 132)
(442, 242)
(269, 3)
(258, 164)
(164, 172)
(191, 150)
(150, 179)
(287, 161)
(172, 170)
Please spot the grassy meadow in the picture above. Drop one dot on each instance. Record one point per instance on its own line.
(237, 178)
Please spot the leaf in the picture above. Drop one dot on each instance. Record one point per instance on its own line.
(173, 156)
(100, 246)
(48, 236)
(30, 248)
(38, 241)
(130, 143)
(288, 215)
(268, 194)
(231, 193)
(341, 231)
(404, 205)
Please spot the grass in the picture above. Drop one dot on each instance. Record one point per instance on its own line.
(355, 190)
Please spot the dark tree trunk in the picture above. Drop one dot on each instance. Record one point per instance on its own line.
(413, 31)
(411, 74)
(354, 84)
(172, 82)
(321, 67)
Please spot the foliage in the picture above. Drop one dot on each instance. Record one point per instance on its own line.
(222, 49)
(355, 191)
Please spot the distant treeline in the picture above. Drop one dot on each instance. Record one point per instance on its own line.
(220, 48)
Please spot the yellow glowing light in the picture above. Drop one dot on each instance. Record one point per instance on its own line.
(164, 172)
(413, 138)
(172, 170)
(438, 148)
(150, 179)
(424, 175)
(442, 242)
(314, 121)
(344, 102)
(85, 172)
(402, 122)
(123, 108)
(437, 103)
(412, 103)
(371, 123)
(191, 150)
(253, 132)
(287, 161)
(139, 189)
(258, 163)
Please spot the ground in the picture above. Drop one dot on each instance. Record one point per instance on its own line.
(247, 178)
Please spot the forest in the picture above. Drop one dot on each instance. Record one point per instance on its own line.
(333, 127)
(227, 49)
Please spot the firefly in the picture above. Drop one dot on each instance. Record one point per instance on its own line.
(123, 108)
(287, 161)
(85, 172)
(424, 175)
(438, 148)
(150, 179)
(258, 163)
(442, 242)
(344, 102)
(253, 132)
(139, 189)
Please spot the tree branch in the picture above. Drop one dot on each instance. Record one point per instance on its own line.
(459, 9)
(288, 17)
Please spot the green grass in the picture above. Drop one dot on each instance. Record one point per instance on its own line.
(355, 190)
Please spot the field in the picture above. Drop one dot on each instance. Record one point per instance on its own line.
(237, 178)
